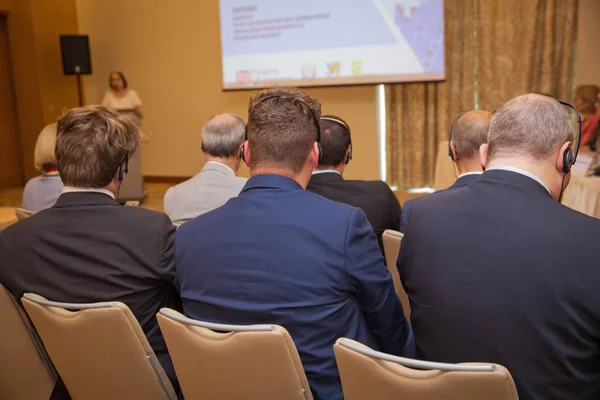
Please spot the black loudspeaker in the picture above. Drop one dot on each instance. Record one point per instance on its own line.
(75, 50)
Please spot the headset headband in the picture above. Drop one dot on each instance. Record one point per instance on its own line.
(344, 125)
(574, 151)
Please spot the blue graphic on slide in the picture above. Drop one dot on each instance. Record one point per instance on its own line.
(273, 26)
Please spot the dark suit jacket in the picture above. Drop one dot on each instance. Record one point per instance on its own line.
(87, 248)
(460, 182)
(499, 272)
(277, 254)
(375, 198)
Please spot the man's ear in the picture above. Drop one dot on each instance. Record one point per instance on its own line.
(314, 156)
(560, 159)
(453, 151)
(483, 150)
(246, 153)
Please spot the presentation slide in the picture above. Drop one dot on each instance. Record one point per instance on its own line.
(330, 42)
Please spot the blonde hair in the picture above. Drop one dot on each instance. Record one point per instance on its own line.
(93, 142)
(44, 156)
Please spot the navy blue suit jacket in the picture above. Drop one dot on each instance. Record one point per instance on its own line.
(277, 254)
(460, 182)
(500, 272)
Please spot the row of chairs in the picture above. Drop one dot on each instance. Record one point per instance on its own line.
(101, 352)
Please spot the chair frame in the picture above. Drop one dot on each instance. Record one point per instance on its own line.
(417, 364)
(217, 327)
(92, 306)
(392, 232)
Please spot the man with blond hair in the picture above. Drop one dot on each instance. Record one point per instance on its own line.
(87, 248)
(500, 271)
(277, 254)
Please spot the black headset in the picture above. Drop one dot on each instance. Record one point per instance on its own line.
(286, 95)
(344, 125)
(450, 136)
(124, 167)
(570, 156)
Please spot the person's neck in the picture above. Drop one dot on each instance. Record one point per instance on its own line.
(541, 170)
(301, 178)
(339, 168)
(467, 166)
(231, 162)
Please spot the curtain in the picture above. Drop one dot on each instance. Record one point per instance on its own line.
(495, 50)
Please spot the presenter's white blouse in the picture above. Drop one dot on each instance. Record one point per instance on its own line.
(130, 101)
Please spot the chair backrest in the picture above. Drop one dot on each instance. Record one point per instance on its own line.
(391, 248)
(22, 213)
(369, 374)
(25, 369)
(99, 350)
(233, 362)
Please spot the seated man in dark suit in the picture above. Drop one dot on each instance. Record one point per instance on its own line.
(375, 198)
(87, 248)
(467, 133)
(500, 271)
(278, 254)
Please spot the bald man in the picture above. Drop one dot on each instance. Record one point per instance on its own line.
(501, 272)
(222, 138)
(467, 134)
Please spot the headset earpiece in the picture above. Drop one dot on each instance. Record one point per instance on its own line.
(567, 160)
(124, 168)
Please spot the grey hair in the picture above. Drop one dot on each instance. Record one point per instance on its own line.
(223, 135)
(529, 125)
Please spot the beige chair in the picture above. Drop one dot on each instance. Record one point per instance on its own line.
(22, 213)
(25, 369)
(241, 362)
(99, 350)
(369, 374)
(391, 248)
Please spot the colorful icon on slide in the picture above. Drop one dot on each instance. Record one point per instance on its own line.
(356, 67)
(334, 68)
(243, 78)
(309, 71)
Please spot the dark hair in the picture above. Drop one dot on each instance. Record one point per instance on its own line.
(282, 129)
(335, 141)
(122, 78)
(91, 144)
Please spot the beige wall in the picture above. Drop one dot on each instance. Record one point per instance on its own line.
(41, 88)
(170, 53)
(588, 52)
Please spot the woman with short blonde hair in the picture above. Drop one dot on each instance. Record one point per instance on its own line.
(42, 191)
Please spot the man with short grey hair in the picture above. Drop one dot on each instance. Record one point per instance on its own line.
(222, 138)
(500, 271)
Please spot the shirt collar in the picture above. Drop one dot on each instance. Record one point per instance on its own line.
(327, 171)
(522, 172)
(71, 189)
(469, 173)
(216, 163)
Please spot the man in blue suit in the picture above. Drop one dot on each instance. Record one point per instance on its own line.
(467, 133)
(278, 254)
(501, 272)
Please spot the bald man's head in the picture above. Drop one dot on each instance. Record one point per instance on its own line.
(223, 135)
(531, 126)
(469, 133)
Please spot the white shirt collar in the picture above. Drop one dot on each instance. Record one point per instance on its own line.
(327, 171)
(522, 172)
(469, 173)
(71, 189)
(221, 164)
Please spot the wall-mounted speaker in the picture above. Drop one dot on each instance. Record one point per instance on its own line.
(75, 50)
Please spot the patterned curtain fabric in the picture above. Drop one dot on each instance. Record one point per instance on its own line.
(495, 50)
